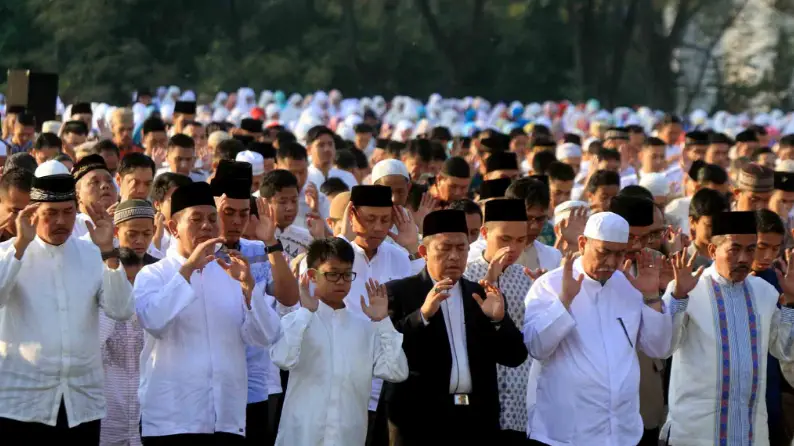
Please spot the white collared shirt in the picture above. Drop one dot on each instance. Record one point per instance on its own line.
(316, 176)
(332, 356)
(585, 359)
(49, 329)
(460, 373)
(193, 364)
(323, 207)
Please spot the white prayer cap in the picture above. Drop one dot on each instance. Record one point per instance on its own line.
(389, 167)
(271, 110)
(563, 210)
(256, 160)
(607, 227)
(568, 150)
(785, 166)
(655, 182)
(217, 137)
(51, 167)
(51, 127)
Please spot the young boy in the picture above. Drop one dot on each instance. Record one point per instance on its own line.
(332, 354)
(280, 191)
(46, 147)
(706, 204)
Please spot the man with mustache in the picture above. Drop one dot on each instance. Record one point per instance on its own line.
(95, 189)
(726, 322)
(583, 325)
(505, 233)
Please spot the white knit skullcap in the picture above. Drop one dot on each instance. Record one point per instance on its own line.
(389, 167)
(256, 160)
(607, 227)
(51, 167)
(655, 182)
(568, 150)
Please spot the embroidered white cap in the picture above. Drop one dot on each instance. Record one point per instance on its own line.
(607, 227)
(256, 160)
(389, 167)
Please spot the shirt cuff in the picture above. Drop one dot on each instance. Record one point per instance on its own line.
(787, 315)
(678, 305)
(424, 321)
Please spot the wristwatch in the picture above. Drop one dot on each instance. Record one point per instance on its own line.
(278, 247)
(113, 254)
(414, 256)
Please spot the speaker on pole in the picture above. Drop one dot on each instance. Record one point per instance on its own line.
(37, 92)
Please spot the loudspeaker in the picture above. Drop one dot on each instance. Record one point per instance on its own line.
(38, 92)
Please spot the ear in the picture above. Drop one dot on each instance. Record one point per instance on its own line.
(736, 192)
(582, 242)
(118, 179)
(423, 251)
(116, 231)
(692, 224)
(484, 232)
(172, 225)
(312, 273)
(712, 248)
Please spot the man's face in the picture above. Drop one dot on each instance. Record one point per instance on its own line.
(270, 164)
(473, 223)
(671, 133)
(785, 153)
(96, 187)
(85, 117)
(72, 140)
(718, 154)
(575, 162)
(136, 234)
(56, 221)
(136, 184)
(155, 140)
(751, 201)
(323, 151)
(434, 167)
(399, 185)
(331, 290)
(656, 230)
(767, 250)
(638, 239)
(601, 259)
(452, 188)
(700, 230)
(197, 133)
(371, 225)
(602, 197)
(362, 140)
(23, 133)
(505, 234)
(768, 160)
(234, 215)
(560, 192)
(734, 255)
(45, 153)
(193, 226)
(519, 144)
(12, 203)
(536, 218)
(781, 203)
(416, 167)
(111, 159)
(610, 165)
(285, 206)
(299, 168)
(445, 255)
(122, 134)
(181, 160)
(746, 148)
(256, 182)
(695, 152)
(653, 158)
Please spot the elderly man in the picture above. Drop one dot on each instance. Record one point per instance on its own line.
(52, 286)
(583, 324)
(753, 188)
(199, 312)
(95, 189)
(452, 183)
(455, 332)
(725, 323)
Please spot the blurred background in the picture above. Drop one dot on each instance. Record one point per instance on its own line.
(671, 54)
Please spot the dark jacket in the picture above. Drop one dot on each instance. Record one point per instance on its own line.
(425, 394)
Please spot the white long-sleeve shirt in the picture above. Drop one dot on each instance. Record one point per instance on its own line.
(193, 365)
(588, 374)
(316, 176)
(49, 329)
(332, 356)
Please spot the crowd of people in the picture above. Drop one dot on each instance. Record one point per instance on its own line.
(329, 271)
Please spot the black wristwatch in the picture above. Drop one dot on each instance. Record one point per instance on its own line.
(278, 247)
(113, 254)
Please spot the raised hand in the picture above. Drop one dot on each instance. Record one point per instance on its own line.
(316, 225)
(100, 228)
(573, 226)
(311, 196)
(494, 304)
(26, 222)
(159, 227)
(308, 301)
(649, 268)
(203, 254)
(682, 272)
(570, 285)
(438, 294)
(498, 264)
(112, 209)
(265, 224)
(674, 240)
(407, 234)
(426, 206)
(347, 222)
(378, 307)
(535, 274)
(159, 155)
(786, 280)
(239, 269)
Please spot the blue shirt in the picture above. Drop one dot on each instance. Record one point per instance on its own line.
(16, 148)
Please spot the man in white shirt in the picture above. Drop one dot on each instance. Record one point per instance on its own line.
(181, 158)
(582, 326)
(164, 186)
(52, 286)
(695, 145)
(454, 333)
(95, 187)
(199, 313)
(321, 149)
(280, 192)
